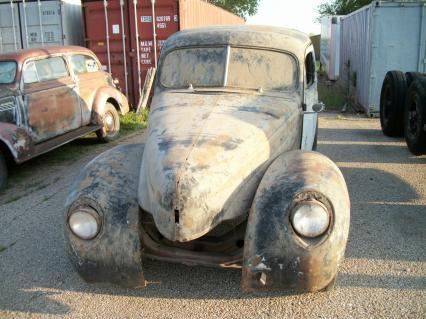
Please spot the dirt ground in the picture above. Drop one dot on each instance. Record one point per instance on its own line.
(383, 275)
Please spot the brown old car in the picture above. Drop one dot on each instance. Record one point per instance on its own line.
(51, 96)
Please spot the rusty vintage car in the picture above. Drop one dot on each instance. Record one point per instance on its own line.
(226, 176)
(51, 96)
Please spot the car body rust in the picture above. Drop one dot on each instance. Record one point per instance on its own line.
(225, 164)
(46, 102)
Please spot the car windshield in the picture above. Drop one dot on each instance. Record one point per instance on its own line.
(7, 72)
(248, 69)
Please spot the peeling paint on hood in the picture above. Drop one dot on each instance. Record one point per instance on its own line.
(206, 153)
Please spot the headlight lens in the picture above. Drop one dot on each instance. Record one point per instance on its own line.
(84, 223)
(310, 219)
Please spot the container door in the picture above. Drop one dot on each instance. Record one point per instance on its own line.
(51, 102)
(10, 39)
(166, 23)
(96, 39)
(41, 26)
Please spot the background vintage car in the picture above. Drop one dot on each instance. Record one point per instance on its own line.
(226, 176)
(51, 96)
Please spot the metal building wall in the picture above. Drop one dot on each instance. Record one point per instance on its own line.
(196, 13)
(378, 38)
(330, 46)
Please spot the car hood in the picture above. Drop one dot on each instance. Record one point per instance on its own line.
(206, 153)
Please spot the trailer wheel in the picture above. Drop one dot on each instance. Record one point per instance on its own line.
(392, 99)
(413, 76)
(415, 117)
(3, 171)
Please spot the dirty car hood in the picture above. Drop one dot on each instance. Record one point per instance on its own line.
(206, 153)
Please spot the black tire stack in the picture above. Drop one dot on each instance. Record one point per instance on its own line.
(403, 108)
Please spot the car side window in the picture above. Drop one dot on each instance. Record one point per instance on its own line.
(30, 73)
(81, 64)
(45, 70)
(310, 69)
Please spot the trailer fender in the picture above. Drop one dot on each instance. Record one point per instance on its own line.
(275, 256)
(108, 184)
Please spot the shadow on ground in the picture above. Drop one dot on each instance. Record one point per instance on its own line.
(385, 225)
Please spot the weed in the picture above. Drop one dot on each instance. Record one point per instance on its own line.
(332, 96)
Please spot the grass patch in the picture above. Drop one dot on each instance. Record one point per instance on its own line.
(332, 96)
(132, 121)
(18, 174)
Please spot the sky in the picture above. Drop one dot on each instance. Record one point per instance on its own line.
(295, 14)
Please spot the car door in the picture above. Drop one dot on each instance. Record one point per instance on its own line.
(89, 78)
(310, 98)
(50, 101)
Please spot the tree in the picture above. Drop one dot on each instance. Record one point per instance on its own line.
(242, 8)
(341, 7)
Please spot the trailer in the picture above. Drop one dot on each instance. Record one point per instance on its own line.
(377, 38)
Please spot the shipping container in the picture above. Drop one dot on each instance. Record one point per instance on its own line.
(330, 46)
(377, 38)
(123, 33)
(30, 24)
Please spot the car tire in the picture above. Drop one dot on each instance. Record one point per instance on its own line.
(413, 76)
(415, 117)
(111, 124)
(3, 171)
(392, 98)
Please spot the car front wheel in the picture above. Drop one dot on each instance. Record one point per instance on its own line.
(111, 124)
(3, 171)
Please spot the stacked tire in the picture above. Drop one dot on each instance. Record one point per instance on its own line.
(403, 108)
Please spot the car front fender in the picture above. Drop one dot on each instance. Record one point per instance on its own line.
(275, 256)
(109, 184)
(104, 94)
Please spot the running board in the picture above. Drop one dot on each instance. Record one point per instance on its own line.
(56, 142)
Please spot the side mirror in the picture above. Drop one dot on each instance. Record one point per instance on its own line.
(318, 107)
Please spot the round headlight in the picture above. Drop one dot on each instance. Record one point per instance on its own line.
(310, 219)
(84, 223)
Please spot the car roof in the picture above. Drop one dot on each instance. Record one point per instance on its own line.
(21, 55)
(269, 37)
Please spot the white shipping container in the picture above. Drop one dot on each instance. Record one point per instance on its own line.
(10, 39)
(330, 46)
(30, 24)
(377, 38)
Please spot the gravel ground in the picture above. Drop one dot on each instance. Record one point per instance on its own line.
(383, 275)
